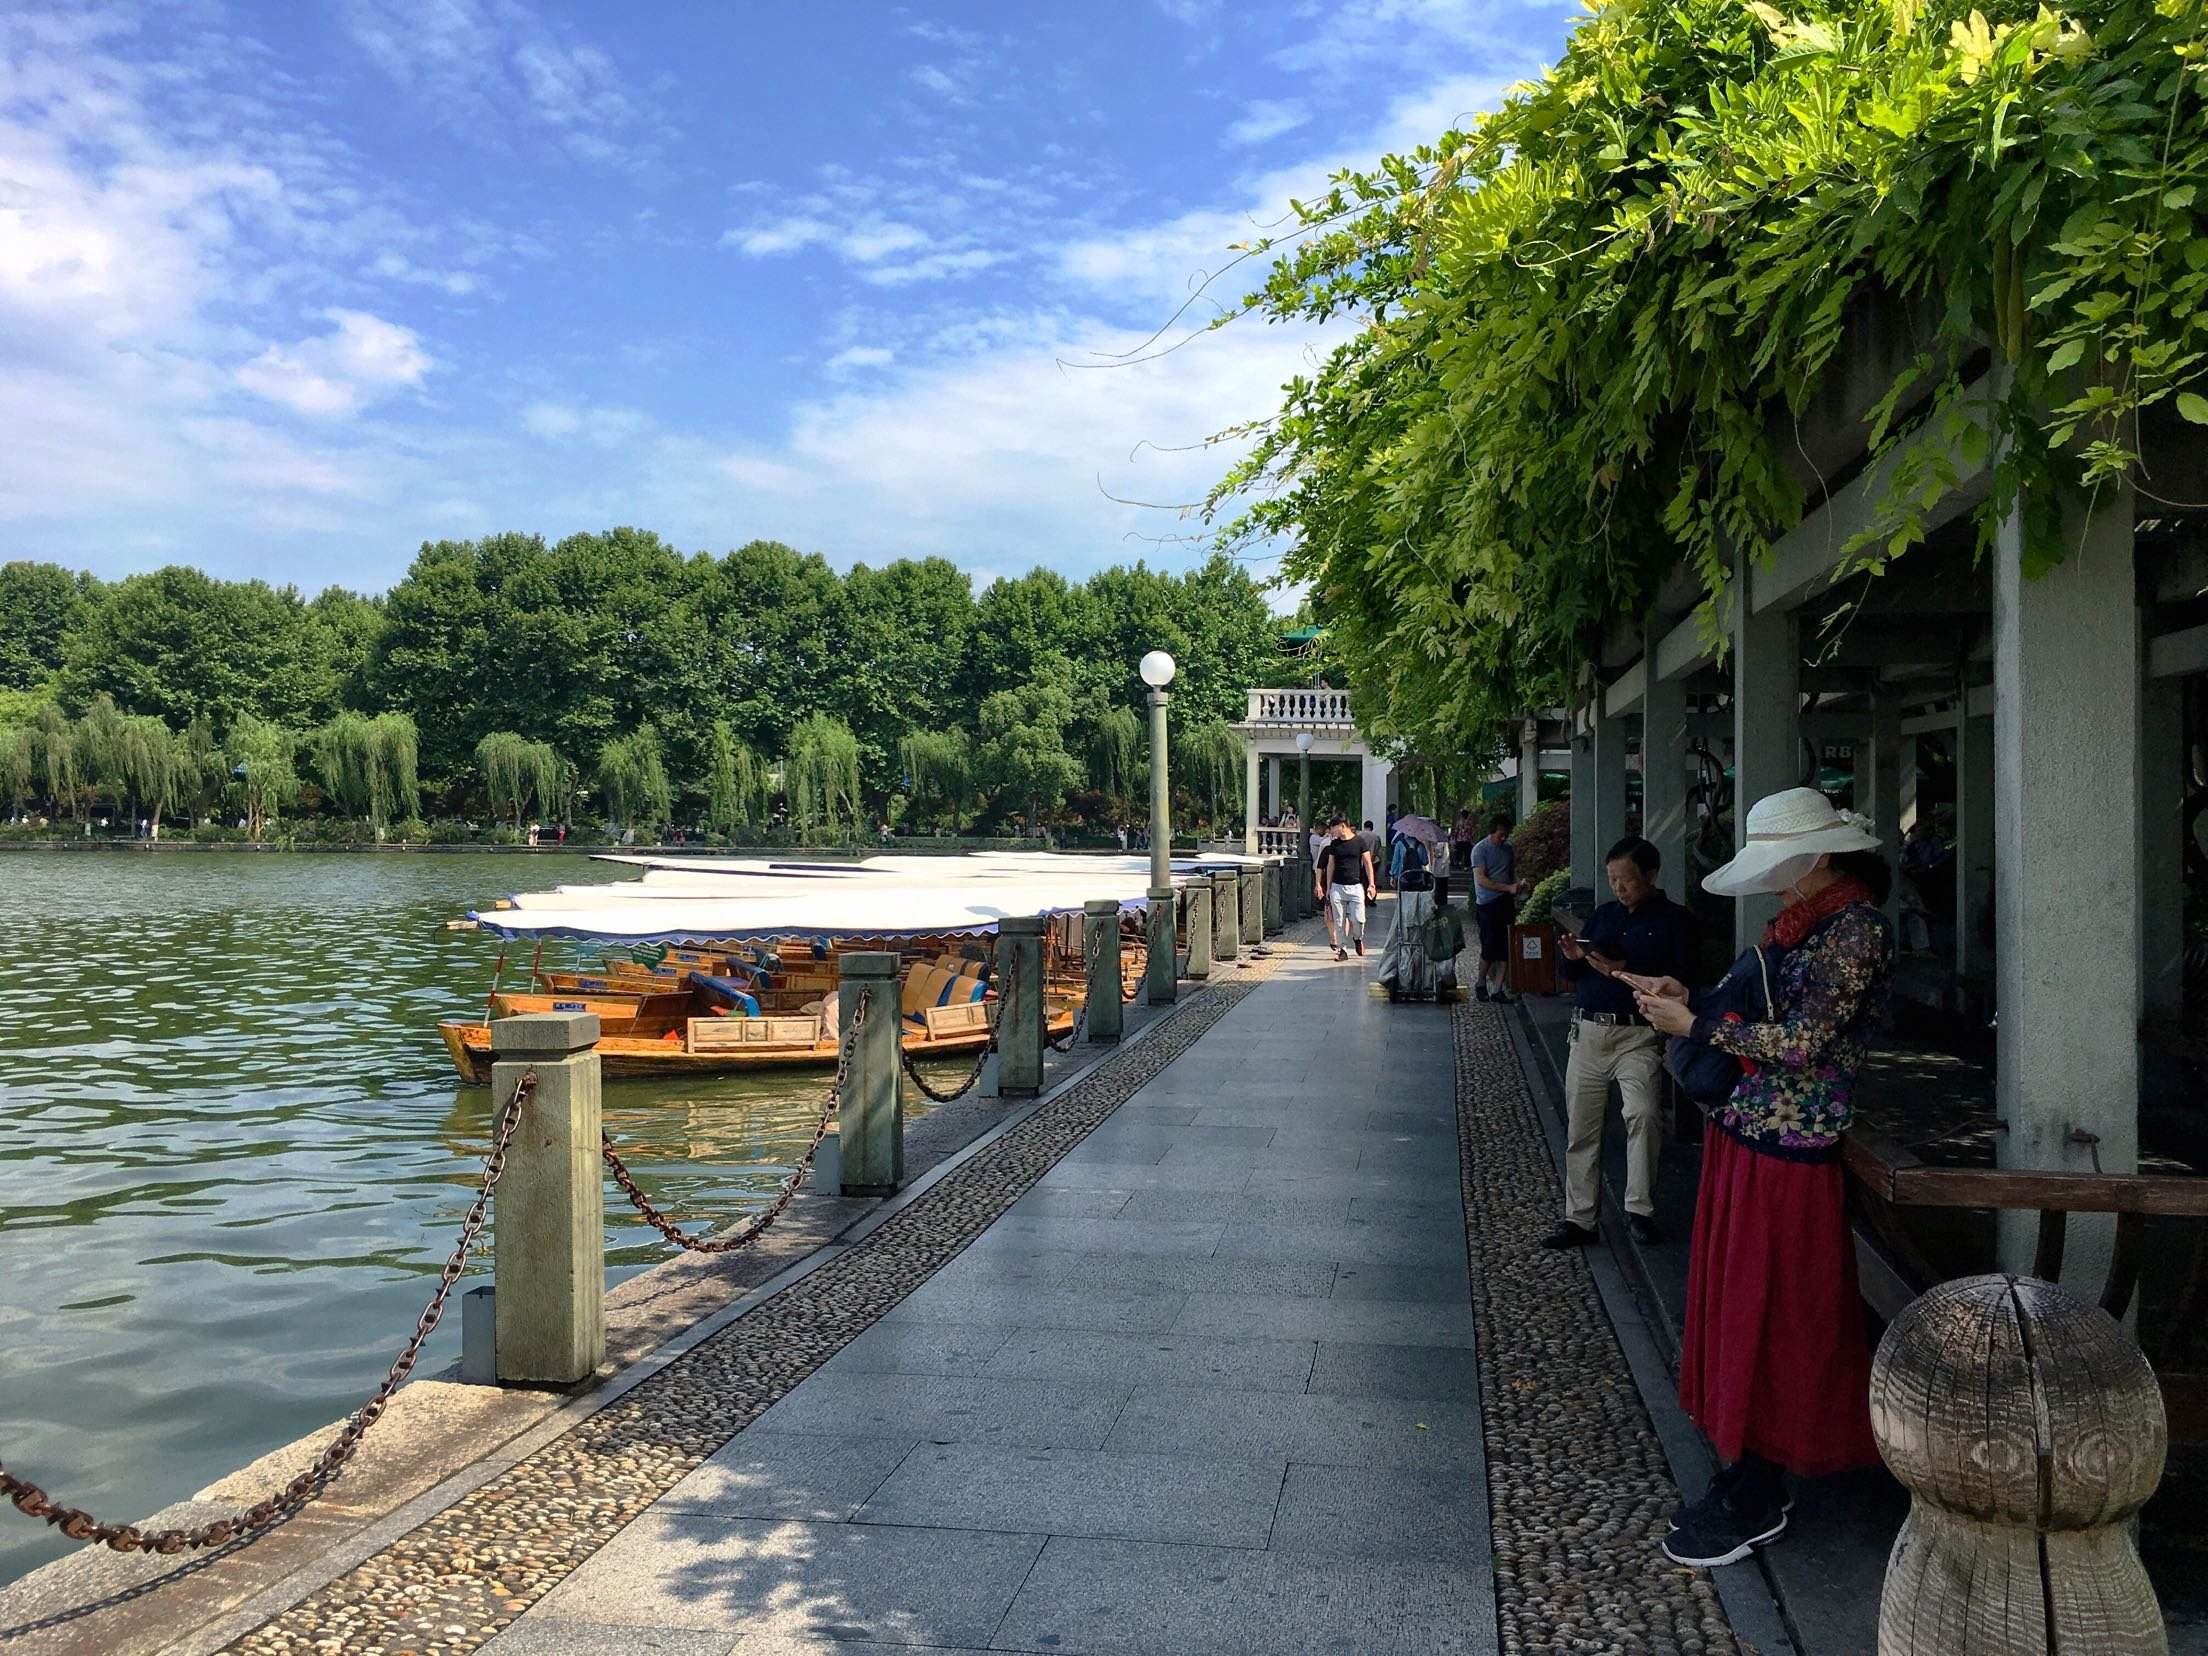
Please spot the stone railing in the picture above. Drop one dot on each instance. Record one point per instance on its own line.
(1280, 842)
(1300, 707)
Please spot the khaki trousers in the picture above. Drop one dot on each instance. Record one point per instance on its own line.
(1632, 1056)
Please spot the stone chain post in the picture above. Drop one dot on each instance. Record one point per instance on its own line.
(1022, 1015)
(1161, 974)
(1199, 926)
(1272, 905)
(1105, 1015)
(1252, 880)
(870, 1115)
(549, 1260)
(2029, 1431)
(1226, 916)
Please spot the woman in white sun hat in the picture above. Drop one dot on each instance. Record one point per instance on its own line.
(1774, 1365)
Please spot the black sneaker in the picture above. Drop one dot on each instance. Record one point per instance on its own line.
(1645, 1230)
(1503, 997)
(1721, 1486)
(1360, 946)
(1567, 1235)
(1340, 953)
(1480, 994)
(1720, 1533)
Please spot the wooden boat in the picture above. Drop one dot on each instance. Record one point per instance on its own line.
(946, 1008)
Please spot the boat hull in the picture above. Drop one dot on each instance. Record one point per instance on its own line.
(624, 1057)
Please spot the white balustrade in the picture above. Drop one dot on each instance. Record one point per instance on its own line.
(1301, 707)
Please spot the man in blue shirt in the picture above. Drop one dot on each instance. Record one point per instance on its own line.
(1645, 933)
(1495, 889)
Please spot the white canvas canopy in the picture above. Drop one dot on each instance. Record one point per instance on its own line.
(874, 911)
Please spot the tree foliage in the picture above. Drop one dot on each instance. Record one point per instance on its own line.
(519, 774)
(260, 755)
(368, 766)
(737, 788)
(1594, 318)
(633, 778)
(820, 776)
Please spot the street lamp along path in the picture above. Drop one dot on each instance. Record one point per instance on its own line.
(1157, 669)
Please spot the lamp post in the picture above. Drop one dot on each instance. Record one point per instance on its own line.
(1161, 973)
(1301, 859)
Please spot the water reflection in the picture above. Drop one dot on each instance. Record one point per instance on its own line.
(232, 1155)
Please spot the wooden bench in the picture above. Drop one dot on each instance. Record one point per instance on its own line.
(962, 1019)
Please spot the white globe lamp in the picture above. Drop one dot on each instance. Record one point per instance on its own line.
(1157, 669)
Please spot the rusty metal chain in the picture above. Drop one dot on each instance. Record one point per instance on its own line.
(1095, 951)
(758, 1222)
(79, 1525)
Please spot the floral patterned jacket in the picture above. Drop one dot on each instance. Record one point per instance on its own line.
(1835, 993)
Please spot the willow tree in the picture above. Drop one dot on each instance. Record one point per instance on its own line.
(18, 766)
(369, 766)
(206, 772)
(1116, 767)
(736, 782)
(938, 767)
(821, 775)
(633, 777)
(102, 738)
(54, 744)
(1209, 757)
(517, 771)
(260, 756)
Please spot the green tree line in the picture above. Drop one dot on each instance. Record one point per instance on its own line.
(611, 678)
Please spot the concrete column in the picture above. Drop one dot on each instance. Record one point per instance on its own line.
(1020, 1020)
(1586, 847)
(1107, 1018)
(1374, 791)
(2067, 708)
(1226, 916)
(1253, 905)
(2162, 847)
(870, 1119)
(1529, 769)
(1198, 891)
(550, 1253)
(1272, 787)
(1664, 774)
(1974, 847)
(1905, 793)
(1249, 796)
(1271, 903)
(1878, 785)
(1767, 725)
(1161, 971)
(1609, 823)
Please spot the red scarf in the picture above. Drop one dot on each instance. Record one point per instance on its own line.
(1796, 920)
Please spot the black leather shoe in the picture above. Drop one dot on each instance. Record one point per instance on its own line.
(1645, 1230)
(1567, 1235)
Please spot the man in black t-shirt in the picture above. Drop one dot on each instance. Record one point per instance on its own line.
(1345, 882)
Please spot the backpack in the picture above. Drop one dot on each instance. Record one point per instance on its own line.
(1745, 994)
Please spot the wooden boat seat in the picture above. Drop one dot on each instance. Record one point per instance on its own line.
(725, 1034)
(958, 1019)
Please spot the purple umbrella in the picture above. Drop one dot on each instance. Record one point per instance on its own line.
(1422, 828)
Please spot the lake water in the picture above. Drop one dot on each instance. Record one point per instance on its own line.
(233, 1153)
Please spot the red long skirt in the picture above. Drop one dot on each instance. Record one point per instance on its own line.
(1775, 1362)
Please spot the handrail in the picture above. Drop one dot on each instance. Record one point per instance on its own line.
(1896, 1174)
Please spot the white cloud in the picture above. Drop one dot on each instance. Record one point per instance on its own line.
(603, 425)
(397, 267)
(765, 241)
(552, 420)
(878, 238)
(1266, 119)
(933, 267)
(361, 360)
(935, 80)
(861, 356)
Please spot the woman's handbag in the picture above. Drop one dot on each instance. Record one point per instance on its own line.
(1745, 994)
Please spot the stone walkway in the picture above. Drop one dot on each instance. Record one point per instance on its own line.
(1210, 1385)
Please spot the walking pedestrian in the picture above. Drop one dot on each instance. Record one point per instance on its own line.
(1495, 889)
(1645, 933)
(1462, 837)
(1774, 1366)
(1374, 848)
(1345, 881)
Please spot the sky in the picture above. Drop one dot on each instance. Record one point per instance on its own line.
(287, 289)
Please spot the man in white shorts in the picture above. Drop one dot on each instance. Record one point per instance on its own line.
(1345, 882)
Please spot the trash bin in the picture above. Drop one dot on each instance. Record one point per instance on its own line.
(1533, 960)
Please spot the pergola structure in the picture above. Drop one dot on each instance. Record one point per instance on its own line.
(1269, 732)
(2062, 700)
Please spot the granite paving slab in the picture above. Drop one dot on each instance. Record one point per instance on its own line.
(1379, 1511)
(1432, 1322)
(1423, 1243)
(765, 1474)
(965, 1299)
(1128, 1596)
(1142, 1273)
(855, 1581)
(1156, 1359)
(1448, 1281)
(1304, 1427)
(1020, 1233)
(1140, 1497)
(566, 1638)
(895, 1347)
(1364, 1370)
(1076, 1413)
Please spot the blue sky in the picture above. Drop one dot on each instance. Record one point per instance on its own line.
(286, 289)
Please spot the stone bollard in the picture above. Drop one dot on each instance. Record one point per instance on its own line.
(1253, 903)
(870, 1117)
(1226, 916)
(1161, 975)
(1106, 1016)
(1199, 926)
(1272, 899)
(549, 1253)
(1021, 1012)
(2029, 1430)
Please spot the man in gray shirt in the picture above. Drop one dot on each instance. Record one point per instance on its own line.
(1496, 887)
(1375, 848)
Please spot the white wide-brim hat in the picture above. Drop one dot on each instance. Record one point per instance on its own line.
(1787, 833)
